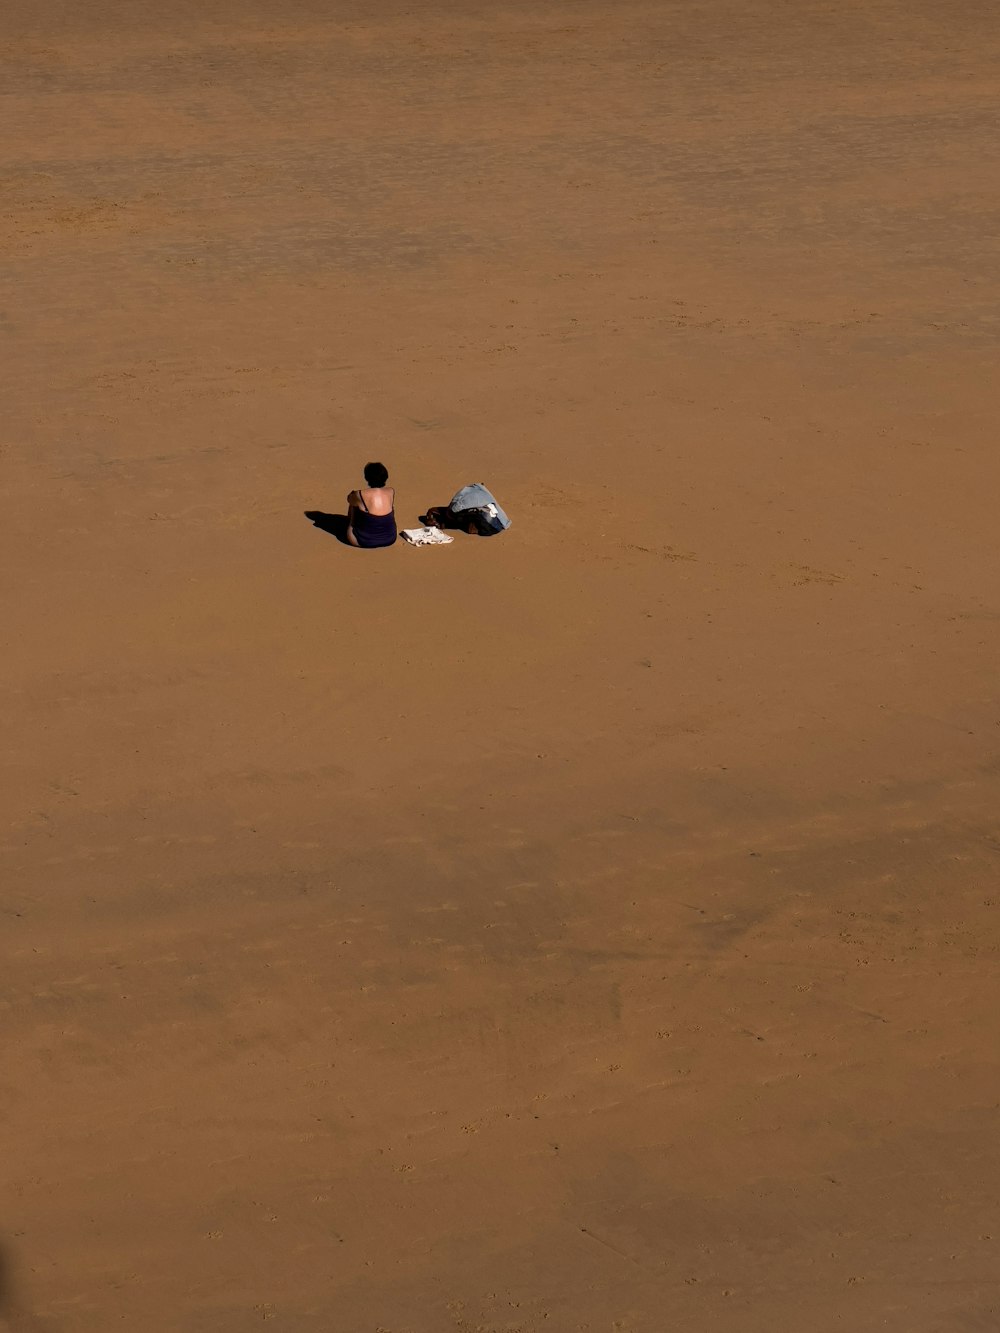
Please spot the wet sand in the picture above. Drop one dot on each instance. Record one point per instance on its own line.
(594, 928)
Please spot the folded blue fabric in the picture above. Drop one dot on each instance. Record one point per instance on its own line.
(477, 496)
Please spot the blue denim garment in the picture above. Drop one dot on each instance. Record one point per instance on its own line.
(477, 496)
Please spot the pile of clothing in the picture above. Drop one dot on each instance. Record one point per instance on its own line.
(472, 509)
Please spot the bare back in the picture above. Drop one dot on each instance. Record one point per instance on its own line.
(378, 499)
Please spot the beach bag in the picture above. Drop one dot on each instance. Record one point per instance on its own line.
(478, 511)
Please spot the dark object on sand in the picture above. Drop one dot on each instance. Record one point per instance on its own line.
(473, 509)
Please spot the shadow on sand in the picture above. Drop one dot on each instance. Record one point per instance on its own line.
(334, 524)
(14, 1318)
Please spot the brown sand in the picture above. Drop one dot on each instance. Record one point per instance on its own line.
(592, 929)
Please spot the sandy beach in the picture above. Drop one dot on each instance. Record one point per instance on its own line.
(593, 928)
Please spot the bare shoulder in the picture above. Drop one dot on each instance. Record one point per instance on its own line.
(379, 500)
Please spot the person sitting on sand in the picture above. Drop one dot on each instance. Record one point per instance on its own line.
(371, 521)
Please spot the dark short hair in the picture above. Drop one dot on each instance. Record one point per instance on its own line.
(376, 474)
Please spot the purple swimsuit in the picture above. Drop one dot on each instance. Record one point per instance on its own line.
(374, 530)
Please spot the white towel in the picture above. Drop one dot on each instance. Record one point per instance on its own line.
(425, 537)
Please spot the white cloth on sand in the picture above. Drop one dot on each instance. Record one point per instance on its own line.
(425, 537)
